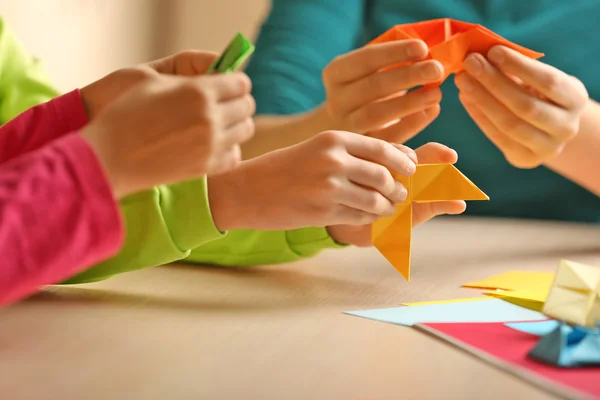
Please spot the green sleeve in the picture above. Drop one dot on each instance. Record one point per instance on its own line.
(162, 226)
(243, 247)
(23, 81)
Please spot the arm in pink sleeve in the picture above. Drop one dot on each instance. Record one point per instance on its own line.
(57, 216)
(42, 124)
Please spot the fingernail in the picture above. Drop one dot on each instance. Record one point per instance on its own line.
(464, 83)
(496, 55)
(473, 64)
(431, 72)
(411, 168)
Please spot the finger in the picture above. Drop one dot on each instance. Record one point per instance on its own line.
(408, 127)
(385, 83)
(505, 120)
(544, 116)
(408, 151)
(433, 153)
(369, 59)
(366, 200)
(237, 110)
(238, 133)
(557, 86)
(345, 215)
(516, 153)
(377, 177)
(186, 63)
(379, 152)
(423, 212)
(226, 87)
(376, 114)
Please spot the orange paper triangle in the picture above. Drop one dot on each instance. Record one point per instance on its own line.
(450, 42)
(430, 183)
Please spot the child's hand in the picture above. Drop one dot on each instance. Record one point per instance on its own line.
(429, 153)
(528, 109)
(334, 178)
(103, 92)
(170, 129)
(364, 99)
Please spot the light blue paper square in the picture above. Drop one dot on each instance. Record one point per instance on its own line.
(495, 310)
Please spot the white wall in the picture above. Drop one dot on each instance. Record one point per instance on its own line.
(81, 40)
(210, 24)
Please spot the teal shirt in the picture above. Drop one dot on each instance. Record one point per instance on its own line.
(300, 37)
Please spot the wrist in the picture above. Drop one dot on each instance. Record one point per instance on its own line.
(228, 204)
(95, 139)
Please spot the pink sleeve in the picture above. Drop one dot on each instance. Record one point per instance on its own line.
(57, 216)
(42, 124)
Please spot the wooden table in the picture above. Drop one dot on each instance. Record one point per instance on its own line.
(188, 332)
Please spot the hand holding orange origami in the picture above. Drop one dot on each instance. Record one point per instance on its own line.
(363, 97)
(430, 153)
(528, 109)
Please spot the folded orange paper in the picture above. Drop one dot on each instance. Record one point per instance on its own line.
(450, 41)
(430, 183)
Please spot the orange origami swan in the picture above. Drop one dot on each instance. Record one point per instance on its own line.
(430, 183)
(450, 41)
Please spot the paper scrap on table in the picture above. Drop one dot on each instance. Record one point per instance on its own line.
(528, 298)
(493, 310)
(422, 303)
(450, 41)
(516, 280)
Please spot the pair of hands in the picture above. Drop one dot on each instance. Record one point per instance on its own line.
(167, 121)
(528, 109)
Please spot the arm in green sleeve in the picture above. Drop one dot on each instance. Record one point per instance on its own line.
(243, 247)
(162, 226)
(23, 81)
(296, 41)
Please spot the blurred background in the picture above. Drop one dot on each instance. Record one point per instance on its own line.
(81, 40)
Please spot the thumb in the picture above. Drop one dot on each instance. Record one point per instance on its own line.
(433, 153)
(186, 63)
(423, 212)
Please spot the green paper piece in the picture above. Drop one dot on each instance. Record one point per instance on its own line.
(238, 50)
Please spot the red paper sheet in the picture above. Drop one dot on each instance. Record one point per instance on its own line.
(508, 349)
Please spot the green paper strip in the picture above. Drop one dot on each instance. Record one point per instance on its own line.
(238, 50)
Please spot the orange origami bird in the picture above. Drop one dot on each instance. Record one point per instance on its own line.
(430, 183)
(450, 41)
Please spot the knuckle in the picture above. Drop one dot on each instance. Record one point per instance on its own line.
(381, 176)
(372, 202)
(330, 139)
(569, 131)
(523, 162)
(530, 109)
(510, 125)
(331, 185)
(552, 81)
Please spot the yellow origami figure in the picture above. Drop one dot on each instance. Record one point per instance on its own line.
(430, 183)
(575, 295)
